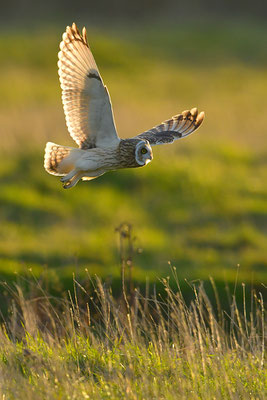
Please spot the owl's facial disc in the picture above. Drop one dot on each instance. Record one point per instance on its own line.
(143, 152)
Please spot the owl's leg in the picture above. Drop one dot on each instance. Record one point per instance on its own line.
(69, 176)
(73, 179)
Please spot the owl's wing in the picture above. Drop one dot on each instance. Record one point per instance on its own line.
(86, 100)
(177, 127)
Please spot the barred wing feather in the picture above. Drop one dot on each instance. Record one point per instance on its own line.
(175, 128)
(86, 100)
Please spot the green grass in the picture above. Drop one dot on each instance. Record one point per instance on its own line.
(154, 348)
(201, 204)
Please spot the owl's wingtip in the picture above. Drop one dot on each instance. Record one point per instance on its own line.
(200, 117)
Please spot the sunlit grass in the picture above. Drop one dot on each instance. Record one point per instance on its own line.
(200, 204)
(93, 346)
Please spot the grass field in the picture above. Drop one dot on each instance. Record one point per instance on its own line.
(199, 206)
(153, 348)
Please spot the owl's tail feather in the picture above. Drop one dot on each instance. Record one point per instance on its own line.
(62, 161)
(57, 160)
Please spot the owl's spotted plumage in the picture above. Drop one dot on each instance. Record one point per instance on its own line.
(89, 119)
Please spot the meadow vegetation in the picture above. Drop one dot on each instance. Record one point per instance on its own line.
(144, 347)
(199, 206)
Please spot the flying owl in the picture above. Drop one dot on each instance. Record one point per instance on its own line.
(90, 121)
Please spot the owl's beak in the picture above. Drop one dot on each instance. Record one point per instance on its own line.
(149, 159)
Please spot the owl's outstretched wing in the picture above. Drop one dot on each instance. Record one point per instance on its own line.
(86, 100)
(177, 127)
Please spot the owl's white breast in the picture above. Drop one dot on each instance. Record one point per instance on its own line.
(97, 158)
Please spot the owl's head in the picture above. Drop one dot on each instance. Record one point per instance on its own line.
(143, 152)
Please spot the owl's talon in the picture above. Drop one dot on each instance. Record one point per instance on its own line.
(67, 185)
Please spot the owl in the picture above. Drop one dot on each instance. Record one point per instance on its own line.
(89, 118)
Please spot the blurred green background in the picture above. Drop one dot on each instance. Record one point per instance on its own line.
(201, 204)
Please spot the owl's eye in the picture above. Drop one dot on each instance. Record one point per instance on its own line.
(144, 150)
